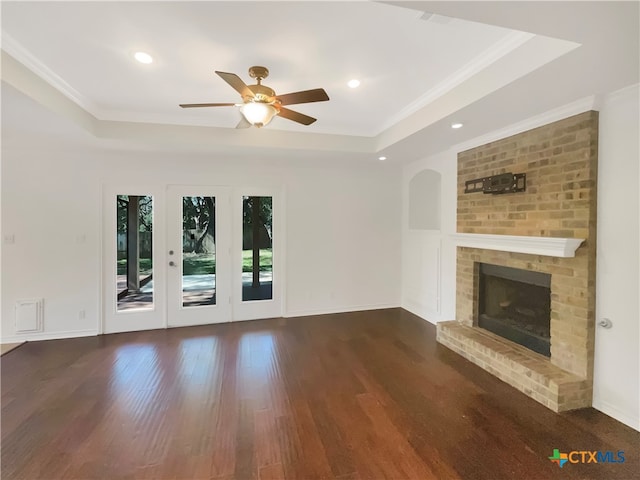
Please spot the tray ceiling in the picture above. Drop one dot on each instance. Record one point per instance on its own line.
(419, 63)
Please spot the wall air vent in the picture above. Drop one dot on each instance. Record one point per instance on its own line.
(29, 315)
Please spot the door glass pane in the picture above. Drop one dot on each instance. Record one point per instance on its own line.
(257, 242)
(198, 251)
(134, 237)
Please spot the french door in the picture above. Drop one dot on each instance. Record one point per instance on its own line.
(257, 249)
(198, 255)
(190, 255)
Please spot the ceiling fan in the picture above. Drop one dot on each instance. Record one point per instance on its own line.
(261, 104)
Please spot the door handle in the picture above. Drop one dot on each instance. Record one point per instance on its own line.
(172, 263)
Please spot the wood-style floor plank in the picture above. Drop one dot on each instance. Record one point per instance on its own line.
(366, 395)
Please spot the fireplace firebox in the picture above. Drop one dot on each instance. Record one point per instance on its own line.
(516, 304)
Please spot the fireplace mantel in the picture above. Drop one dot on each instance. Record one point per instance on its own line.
(551, 246)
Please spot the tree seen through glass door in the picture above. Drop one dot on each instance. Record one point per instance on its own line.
(134, 238)
(198, 251)
(257, 248)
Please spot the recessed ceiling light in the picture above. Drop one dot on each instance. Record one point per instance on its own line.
(382, 158)
(456, 125)
(353, 83)
(143, 57)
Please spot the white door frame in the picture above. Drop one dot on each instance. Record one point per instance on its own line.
(114, 321)
(177, 314)
(256, 309)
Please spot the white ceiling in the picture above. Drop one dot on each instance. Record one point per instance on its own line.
(397, 56)
(421, 64)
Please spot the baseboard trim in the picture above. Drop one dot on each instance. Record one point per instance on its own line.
(614, 412)
(329, 311)
(36, 337)
(423, 312)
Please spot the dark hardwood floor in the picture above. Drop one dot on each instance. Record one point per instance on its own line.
(345, 396)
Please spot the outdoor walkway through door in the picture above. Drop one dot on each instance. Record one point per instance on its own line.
(198, 251)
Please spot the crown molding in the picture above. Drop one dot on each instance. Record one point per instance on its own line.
(621, 93)
(498, 50)
(22, 55)
(586, 104)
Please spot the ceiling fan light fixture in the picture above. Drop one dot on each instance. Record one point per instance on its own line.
(258, 114)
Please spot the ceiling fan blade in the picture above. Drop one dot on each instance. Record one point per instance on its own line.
(197, 105)
(243, 123)
(306, 96)
(237, 83)
(296, 116)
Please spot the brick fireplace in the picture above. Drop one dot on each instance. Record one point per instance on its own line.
(560, 161)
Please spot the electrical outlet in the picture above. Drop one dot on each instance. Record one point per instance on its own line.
(82, 314)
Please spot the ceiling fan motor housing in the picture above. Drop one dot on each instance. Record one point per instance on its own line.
(262, 94)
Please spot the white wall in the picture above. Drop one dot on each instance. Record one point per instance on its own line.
(342, 226)
(343, 241)
(428, 256)
(45, 213)
(617, 351)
